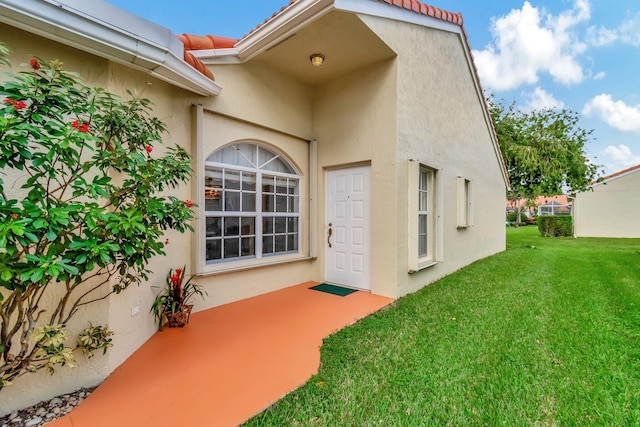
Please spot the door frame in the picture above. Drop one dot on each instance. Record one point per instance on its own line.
(363, 281)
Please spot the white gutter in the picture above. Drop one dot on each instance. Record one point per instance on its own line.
(107, 31)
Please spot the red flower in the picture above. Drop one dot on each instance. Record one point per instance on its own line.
(35, 64)
(166, 242)
(18, 105)
(82, 127)
(148, 148)
(188, 203)
(14, 216)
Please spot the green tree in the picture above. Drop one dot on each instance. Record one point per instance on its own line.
(543, 150)
(86, 217)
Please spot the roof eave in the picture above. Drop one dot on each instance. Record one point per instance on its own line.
(75, 23)
(281, 26)
(616, 175)
(217, 56)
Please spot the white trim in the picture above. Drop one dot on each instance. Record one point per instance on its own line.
(613, 178)
(313, 199)
(285, 24)
(198, 184)
(464, 202)
(413, 175)
(439, 219)
(414, 262)
(347, 276)
(218, 56)
(397, 13)
(212, 269)
(91, 26)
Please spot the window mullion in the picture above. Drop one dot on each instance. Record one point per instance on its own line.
(258, 215)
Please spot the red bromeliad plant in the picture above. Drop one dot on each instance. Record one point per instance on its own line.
(176, 296)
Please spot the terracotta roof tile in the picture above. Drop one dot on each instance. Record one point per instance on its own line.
(194, 42)
(413, 5)
(197, 64)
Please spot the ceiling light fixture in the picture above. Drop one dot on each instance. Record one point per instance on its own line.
(317, 59)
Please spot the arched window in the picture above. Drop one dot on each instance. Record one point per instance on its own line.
(252, 204)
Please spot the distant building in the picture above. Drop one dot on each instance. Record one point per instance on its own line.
(609, 208)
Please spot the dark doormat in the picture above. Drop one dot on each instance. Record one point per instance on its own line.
(333, 289)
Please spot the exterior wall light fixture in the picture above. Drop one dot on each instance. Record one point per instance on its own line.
(317, 59)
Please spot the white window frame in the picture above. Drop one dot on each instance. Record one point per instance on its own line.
(464, 190)
(259, 257)
(433, 212)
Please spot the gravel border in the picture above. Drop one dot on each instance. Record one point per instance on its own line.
(45, 411)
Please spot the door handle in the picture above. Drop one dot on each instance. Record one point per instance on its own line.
(330, 233)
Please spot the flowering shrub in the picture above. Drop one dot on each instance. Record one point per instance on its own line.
(175, 296)
(86, 216)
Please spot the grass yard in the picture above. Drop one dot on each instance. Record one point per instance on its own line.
(546, 333)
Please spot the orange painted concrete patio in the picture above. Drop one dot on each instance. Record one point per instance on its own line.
(228, 364)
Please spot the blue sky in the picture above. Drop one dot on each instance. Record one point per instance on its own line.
(583, 55)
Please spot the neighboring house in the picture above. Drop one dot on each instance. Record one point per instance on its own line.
(555, 207)
(544, 205)
(609, 208)
(378, 170)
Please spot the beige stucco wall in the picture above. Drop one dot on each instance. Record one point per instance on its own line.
(440, 123)
(355, 122)
(171, 105)
(261, 106)
(610, 210)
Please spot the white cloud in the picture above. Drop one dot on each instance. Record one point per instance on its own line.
(524, 46)
(617, 158)
(599, 76)
(616, 114)
(540, 99)
(628, 32)
(602, 36)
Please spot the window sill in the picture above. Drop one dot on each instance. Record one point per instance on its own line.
(252, 264)
(424, 265)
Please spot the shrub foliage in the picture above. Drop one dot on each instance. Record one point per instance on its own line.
(512, 216)
(80, 214)
(555, 225)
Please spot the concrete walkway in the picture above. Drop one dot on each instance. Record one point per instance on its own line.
(228, 364)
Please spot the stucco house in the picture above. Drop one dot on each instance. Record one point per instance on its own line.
(609, 208)
(378, 170)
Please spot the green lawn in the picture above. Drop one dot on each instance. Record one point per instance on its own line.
(546, 333)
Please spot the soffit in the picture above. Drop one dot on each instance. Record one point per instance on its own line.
(345, 41)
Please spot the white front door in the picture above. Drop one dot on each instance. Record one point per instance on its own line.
(347, 229)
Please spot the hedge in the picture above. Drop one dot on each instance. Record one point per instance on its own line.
(555, 225)
(511, 217)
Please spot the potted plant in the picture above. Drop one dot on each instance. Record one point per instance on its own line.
(174, 301)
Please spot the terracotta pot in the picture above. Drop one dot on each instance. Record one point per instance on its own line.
(179, 319)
